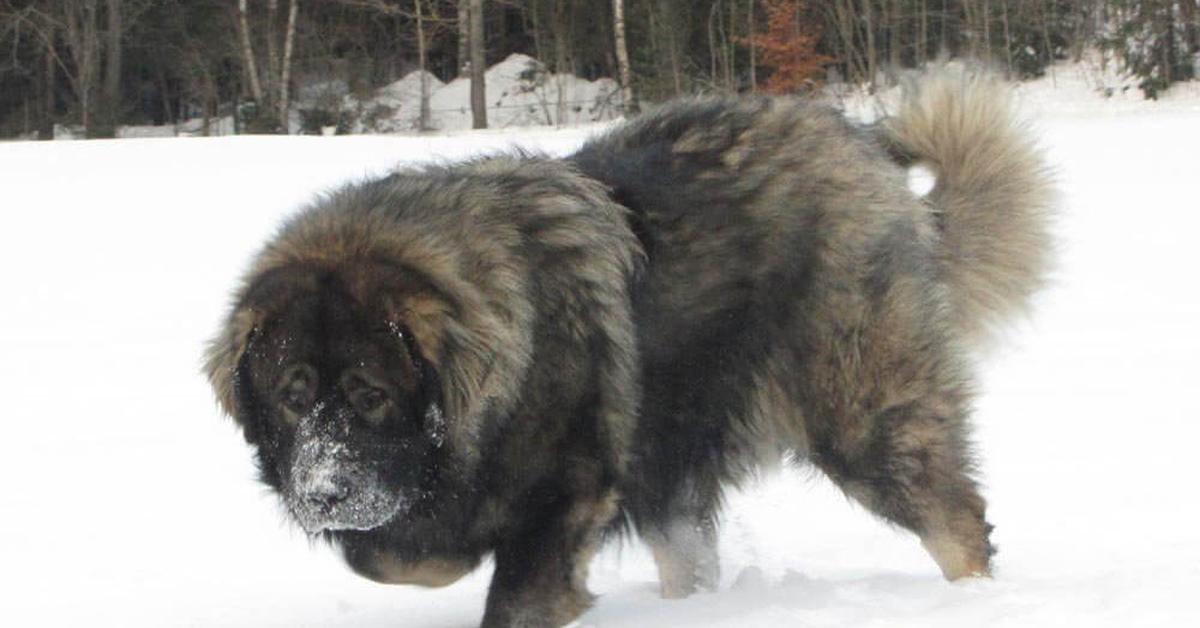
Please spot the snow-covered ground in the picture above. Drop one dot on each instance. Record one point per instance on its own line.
(128, 502)
(521, 92)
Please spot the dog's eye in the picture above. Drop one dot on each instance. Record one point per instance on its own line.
(296, 391)
(371, 403)
(371, 400)
(295, 397)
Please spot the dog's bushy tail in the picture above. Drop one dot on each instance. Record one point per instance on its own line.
(993, 195)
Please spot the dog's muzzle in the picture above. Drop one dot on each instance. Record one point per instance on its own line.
(331, 491)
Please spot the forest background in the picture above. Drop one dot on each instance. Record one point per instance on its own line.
(309, 65)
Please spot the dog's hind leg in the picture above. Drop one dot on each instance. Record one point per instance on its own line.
(685, 552)
(680, 526)
(911, 465)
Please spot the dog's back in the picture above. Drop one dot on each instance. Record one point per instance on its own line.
(798, 296)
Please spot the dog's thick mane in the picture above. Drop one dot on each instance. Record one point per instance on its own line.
(473, 232)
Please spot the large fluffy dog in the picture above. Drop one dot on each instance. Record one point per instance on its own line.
(513, 355)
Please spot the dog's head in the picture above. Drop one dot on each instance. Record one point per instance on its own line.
(331, 374)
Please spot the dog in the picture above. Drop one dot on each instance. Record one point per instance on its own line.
(520, 356)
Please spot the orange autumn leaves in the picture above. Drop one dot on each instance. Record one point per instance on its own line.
(789, 47)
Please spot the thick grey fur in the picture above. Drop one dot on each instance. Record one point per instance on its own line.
(619, 335)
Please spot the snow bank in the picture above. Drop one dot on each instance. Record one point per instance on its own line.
(520, 92)
(394, 108)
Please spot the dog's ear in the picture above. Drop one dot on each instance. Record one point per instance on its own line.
(452, 362)
(223, 358)
(429, 393)
(425, 318)
(264, 296)
(478, 348)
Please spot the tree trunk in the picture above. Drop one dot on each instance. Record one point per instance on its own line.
(846, 31)
(464, 37)
(987, 27)
(209, 98)
(668, 22)
(712, 43)
(108, 110)
(943, 45)
(562, 35)
(728, 35)
(285, 71)
(1191, 26)
(627, 101)
(1168, 35)
(248, 63)
(866, 9)
(923, 33)
(1007, 37)
(84, 44)
(478, 89)
(895, 35)
(968, 28)
(46, 129)
(749, 34)
(424, 123)
(655, 45)
(270, 85)
(1047, 16)
(160, 78)
(1085, 33)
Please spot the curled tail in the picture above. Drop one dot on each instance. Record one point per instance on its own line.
(993, 194)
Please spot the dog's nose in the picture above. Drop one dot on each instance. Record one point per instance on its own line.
(326, 495)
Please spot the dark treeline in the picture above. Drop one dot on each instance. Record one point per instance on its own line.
(97, 64)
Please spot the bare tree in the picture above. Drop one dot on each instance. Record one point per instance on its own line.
(871, 59)
(83, 44)
(1008, 57)
(249, 65)
(895, 35)
(669, 20)
(1191, 26)
(110, 92)
(46, 132)
(478, 89)
(285, 71)
(92, 37)
(922, 31)
(425, 122)
(753, 56)
(271, 71)
(562, 40)
(464, 37)
(622, 51)
(271, 96)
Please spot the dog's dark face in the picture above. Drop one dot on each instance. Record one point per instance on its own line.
(342, 407)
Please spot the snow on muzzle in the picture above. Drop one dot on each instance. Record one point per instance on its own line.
(331, 489)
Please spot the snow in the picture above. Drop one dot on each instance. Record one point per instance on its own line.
(522, 92)
(1094, 86)
(129, 502)
(396, 106)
